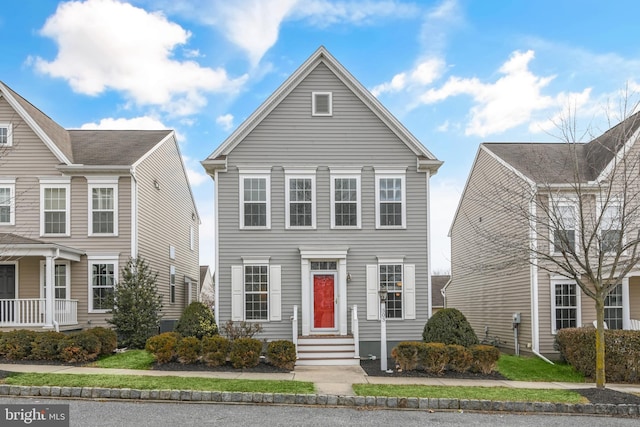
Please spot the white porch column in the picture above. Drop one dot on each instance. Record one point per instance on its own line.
(626, 312)
(49, 288)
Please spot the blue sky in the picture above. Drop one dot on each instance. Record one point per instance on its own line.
(455, 72)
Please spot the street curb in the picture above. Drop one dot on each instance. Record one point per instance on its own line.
(321, 400)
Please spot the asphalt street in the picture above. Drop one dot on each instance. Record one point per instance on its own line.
(91, 413)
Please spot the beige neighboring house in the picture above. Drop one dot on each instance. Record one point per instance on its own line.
(207, 291)
(75, 205)
(438, 282)
(544, 302)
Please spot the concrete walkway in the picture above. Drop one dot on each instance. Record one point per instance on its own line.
(329, 380)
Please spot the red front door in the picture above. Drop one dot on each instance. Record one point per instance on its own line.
(324, 301)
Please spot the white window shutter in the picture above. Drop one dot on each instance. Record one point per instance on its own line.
(373, 297)
(275, 292)
(409, 290)
(237, 293)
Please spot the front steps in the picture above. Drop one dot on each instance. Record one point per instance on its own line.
(327, 350)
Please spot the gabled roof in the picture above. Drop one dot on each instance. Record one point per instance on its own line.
(323, 56)
(437, 283)
(561, 163)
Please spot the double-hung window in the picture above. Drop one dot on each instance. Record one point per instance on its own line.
(61, 279)
(610, 228)
(55, 201)
(613, 308)
(564, 231)
(255, 199)
(6, 137)
(256, 292)
(565, 306)
(390, 200)
(103, 274)
(345, 200)
(391, 283)
(300, 199)
(7, 201)
(103, 206)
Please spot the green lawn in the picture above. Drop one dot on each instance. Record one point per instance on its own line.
(130, 359)
(535, 369)
(479, 393)
(142, 382)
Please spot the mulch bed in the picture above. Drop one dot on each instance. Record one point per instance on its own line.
(594, 395)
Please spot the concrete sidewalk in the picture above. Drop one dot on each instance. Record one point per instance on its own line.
(329, 380)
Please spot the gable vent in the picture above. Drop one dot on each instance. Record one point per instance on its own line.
(321, 104)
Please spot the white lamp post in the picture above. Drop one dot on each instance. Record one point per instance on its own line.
(383, 329)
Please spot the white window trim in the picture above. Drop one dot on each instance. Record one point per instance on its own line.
(558, 203)
(266, 175)
(67, 279)
(313, 104)
(256, 262)
(563, 281)
(346, 175)
(102, 182)
(172, 284)
(394, 261)
(599, 207)
(100, 259)
(300, 174)
(57, 182)
(192, 238)
(10, 183)
(403, 187)
(9, 128)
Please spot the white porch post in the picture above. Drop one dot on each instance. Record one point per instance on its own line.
(626, 312)
(49, 288)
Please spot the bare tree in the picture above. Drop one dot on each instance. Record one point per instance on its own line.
(573, 210)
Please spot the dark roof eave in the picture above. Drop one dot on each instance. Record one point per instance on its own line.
(95, 169)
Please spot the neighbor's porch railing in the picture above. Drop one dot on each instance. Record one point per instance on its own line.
(294, 328)
(32, 312)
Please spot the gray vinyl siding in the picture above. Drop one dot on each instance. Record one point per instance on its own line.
(488, 298)
(290, 137)
(164, 219)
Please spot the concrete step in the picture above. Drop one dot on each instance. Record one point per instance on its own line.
(328, 362)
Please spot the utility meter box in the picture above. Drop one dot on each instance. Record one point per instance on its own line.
(516, 318)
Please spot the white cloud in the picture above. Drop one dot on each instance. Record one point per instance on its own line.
(143, 122)
(324, 13)
(424, 73)
(106, 44)
(225, 121)
(194, 171)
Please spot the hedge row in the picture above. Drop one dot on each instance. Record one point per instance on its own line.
(76, 347)
(436, 358)
(217, 350)
(622, 352)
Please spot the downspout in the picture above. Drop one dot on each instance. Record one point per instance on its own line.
(216, 273)
(429, 304)
(50, 292)
(535, 327)
(134, 214)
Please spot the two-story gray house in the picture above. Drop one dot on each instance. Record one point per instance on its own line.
(75, 205)
(322, 207)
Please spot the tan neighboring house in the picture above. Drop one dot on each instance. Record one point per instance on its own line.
(207, 292)
(542, 302)
(75, 205)
(438, 282)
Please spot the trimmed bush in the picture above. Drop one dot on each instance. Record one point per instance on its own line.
(163, 346)
(16, 344)
(215, 350)
(245, 352)
(622, 352)
(243, 329)
(45, 346)
(188, 350)
(460, 358)
(485, 358)
(79, 347)
(282, 353)
(449, 326)
(108, 339)
(406, 355)
(433, 357)
(197, 321)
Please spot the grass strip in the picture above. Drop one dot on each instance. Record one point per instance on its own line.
(130, 359)
(519, 368)
(475, 393)
(142, 382)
